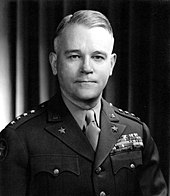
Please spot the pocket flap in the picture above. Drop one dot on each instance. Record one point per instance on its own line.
(55, 164)
(129, 160)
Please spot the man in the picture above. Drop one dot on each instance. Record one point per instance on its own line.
(77, 143)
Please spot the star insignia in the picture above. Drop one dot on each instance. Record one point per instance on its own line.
(114, 128)
(62, 130)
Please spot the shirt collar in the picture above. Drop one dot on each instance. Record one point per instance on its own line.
(79, 114)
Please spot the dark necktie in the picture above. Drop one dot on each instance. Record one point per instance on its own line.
(92, 131)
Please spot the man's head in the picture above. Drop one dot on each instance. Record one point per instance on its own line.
(83, 58)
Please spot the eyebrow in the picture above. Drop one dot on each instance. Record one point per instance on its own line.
(78, 51)
(71, 51)
(100, 52)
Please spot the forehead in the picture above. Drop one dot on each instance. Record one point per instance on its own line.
(76, 35)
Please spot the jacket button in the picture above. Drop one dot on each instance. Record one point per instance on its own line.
(132, 166)
(102, 193)
(56, 172)
(98, 170)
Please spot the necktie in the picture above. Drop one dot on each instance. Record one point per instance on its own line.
(92, 131)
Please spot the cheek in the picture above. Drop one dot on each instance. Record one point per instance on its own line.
(66, 69)
(66, 75)
(104, 74)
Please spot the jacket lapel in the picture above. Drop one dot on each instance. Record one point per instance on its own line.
(66, 129)
(110, 133)
(63, 126)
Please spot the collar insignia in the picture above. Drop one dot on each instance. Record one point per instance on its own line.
(114, 128)
(62, 130)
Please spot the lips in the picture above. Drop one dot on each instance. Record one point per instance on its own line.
(85, 81)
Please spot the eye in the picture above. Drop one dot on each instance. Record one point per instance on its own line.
(98, 58)
(74, 57)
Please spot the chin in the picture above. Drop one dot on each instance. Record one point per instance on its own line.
(88, 96)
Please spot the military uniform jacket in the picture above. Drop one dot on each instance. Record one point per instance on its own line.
(45, 153)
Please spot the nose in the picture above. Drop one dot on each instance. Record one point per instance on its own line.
(86, 66)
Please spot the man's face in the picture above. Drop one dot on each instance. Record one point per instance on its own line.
(84, 62)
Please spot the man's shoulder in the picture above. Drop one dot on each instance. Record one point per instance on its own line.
(122, 115)
(27, 116)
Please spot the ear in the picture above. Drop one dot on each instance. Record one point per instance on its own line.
(113, 61)
(53, 62)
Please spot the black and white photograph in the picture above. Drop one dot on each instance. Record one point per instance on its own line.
(84, 97)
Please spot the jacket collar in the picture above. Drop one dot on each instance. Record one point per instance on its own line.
(57, 110)
(63, 126)
(111, 131)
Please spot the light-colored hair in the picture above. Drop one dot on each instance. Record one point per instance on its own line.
(89, 18)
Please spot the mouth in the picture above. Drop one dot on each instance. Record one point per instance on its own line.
(86, 82)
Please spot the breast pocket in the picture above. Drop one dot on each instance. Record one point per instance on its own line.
(126, 160)
(52, 174)
(55, 165)
(125, 166)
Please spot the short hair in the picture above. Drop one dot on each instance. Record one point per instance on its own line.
(89, 18)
